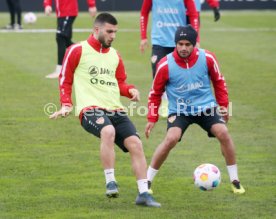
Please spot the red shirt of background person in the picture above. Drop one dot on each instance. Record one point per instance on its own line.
(69, 7)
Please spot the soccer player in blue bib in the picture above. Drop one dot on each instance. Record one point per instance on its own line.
(185, 75)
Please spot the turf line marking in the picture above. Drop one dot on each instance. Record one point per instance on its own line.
(79, 30)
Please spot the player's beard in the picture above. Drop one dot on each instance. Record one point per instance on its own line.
(184, 53)
(103, 42)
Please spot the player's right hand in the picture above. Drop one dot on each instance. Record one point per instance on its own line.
(92, 11)
(143, 45)
(223, 112)
(148, 128)
(63, 112)
(48, 10)
(135, 95)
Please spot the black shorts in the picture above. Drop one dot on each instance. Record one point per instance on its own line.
(65, 26)
(205, 120)
(94, 120)
(158, 52)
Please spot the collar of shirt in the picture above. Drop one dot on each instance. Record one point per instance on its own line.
(191, 60)
(96, 44)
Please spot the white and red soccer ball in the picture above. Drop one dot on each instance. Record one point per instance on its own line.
(207, 177)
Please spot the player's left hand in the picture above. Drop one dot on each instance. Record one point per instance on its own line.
(92, 11)
(48, 10)
(149, 127)
(135, 95)
(143, 45)
(223, 112)
(216, 14)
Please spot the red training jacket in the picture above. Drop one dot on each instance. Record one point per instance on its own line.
(213, 3)
(66, 8)
(162, 76)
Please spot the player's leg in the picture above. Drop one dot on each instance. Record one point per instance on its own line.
(61, 48)
(162, 151)
(68, 31)
(228, 151)
(63, 40)
(138, 160)
(158, 52)
(12, 14)
(17, 8)
(98, 124)
(213, 123)
(128, 140)
(176, 128)
(220, 131)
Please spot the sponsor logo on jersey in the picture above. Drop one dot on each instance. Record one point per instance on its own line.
(161, 24)
(102, 82)
(189, 87)
(167, 10)
(94, 71)
(106, 71)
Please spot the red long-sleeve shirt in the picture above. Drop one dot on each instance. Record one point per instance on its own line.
(147, 6)
(66, 8)
(162, 77)
(213, 3)
(70, 63)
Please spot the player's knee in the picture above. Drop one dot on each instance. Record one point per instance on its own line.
(61, 38)
(134, 145)
(171, 141)
(108, 132)
(223, 135)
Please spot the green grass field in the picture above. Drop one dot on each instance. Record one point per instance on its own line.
(51, 169)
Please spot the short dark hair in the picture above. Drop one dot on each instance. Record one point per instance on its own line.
(105, 18)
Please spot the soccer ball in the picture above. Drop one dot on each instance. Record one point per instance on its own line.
(207, 177)
(30, 18)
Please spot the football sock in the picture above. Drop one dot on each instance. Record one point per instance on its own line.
(233, 172)
(58, 68)
(142, 185)
(109, 175)
(151, 173)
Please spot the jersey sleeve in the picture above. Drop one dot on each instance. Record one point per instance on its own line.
(91, 3)
(193, 15)
(217, 79)
(157, 89)
(144, 17)
(66, 77)
(121, 77)
(47, 3)
(213, 3)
